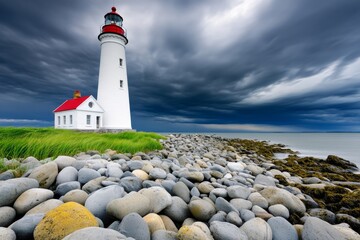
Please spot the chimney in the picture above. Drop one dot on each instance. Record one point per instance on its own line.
(77, 94)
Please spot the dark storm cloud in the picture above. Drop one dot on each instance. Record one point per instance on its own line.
(291, 64)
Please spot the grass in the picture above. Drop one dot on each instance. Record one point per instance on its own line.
(48, 142)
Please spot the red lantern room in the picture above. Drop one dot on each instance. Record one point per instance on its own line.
(113, 24)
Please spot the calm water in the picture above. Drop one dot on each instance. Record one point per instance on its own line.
(320, 145)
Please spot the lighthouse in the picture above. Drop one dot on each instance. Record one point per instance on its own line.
(113, 88)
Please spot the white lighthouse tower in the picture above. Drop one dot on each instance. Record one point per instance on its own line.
(113, 88)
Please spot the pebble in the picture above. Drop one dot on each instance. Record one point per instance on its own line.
(159, 198)
(93, 185)
(24, 227)
(163, 235)
(95, 233)
(141, 174)
(11, 189)
(68, 174)
(279, 210)
(234, 218)
(7, 234)
(133, 202)
(87, 174)
(182, 191)
(169, 224)
(238, 192)
(246, 214)
(191, 233)
(264, 180)
(239, 203)
(157, 173)
(7, 216)
(257, 199)
(131, 184)
(202, 210)
(64, 188)
(64, 161)
(282, 229)
(226, 231)
(323, 214)
(45, 206)
(114, 170)
(222, 204)
(154, 222)
(31, 198)
(178, 211)
(315, 228)
(193, 176)
(133, 225)
(235, 167)
(76, 195)
(257, 228)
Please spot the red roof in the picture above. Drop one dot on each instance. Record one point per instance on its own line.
(71, 104)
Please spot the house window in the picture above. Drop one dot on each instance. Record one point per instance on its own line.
(58, 120)
(91, 104)
(71, 120)
(121, 83)
(88, 119)
(64, 120)
(120, 62)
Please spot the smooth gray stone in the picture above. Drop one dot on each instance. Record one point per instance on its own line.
(64, 161)
(114, 225)
(234, 218)
(265, 180)
(222, 205)
(96, 203)
(133, 225)
(135, 164)
(87, 174)
(168, 185)
(315, 228)
(279, 210)
(282, 229)
(352, 221)
(226, 231)
(7, 216)
(131, 184)
(157, 173)
(6, 175)
(114, 170)
(159, 198)
(201, 209)
(187, 182)
(239, 203)
(7, 234)
(31, 198)
(246, 214)
(323, 214)
(150, 183)
(95, 233)
(63, 188)
(178, 211)
(68, 174)
(11, 189)
(311, 180)
(195, 192)
(163, 235)
(24, 227)
(238, 192)
(127, 174)
(257, 228)
(220, 192)
(259, 200)
(181, 190)
(219, 216)
(94, 185)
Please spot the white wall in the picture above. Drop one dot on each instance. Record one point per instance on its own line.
(67, 114)
(111, 97)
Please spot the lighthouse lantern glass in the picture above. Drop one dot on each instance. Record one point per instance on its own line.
(113, 19)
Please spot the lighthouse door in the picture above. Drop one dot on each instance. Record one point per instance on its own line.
(97, 122)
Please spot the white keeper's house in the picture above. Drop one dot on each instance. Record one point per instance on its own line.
(111, 110)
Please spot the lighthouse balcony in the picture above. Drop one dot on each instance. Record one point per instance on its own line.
(113, 28)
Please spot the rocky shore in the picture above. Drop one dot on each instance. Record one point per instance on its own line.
(198, 187)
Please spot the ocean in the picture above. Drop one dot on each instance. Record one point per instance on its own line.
(320, 145)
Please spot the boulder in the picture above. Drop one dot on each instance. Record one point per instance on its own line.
(226, 231)
(282, 229)
(133, 225)
(68, 174)
(7, 216)
(178, 211)
(154, 222)
(202, 210)
(64, 161)
(24, 227)
(257, 228)
(31, 198)
(159, 198)
(11, 189)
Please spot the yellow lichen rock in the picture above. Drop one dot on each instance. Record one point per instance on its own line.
(63, 220)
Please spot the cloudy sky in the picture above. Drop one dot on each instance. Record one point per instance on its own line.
(229, 65)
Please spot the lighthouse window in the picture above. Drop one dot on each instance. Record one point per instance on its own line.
(64, 120)
(58, 120)
(120, 62)
(88, 119)
(121, 83)
(71, 120)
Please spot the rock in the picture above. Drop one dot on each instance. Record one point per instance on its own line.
(7, 234)
(157, 173)
(209, 156)
(64, 188)
(181, 190)
(131, 184)
(68, 174)
(45, 206)
(163, 235)
(135, 164)
(315, 228)
(76, 195)
(87, 174)
(264, 180)
(219, 216)
(246, 214)
(257, 199)
(7, 216)
(323, 214)
(279, 196)
(193, 176)
(133, 202)
(30, 198)
(203, 228)
(238, 192)
(93, 185)
(226, 231)
(6, 175)
(154, 222)
(257, 228)
(159, 198)
(219, 192)
(222, 205)
(352, 221)
(133, 225)
(260, 212)
(239, 203)
(234, 218)
(235, 166)
(96, 203)
(347, 231)
(279, 210)
(113, 170)
(195, 192)
(11, 189)
(254, 169)
(202, 210)
(141, 174)
(191, 233)
(282, 229)
(24, 227)
(169, 224)
(178, 210)
(205, 187)
(64, 220)
(311, 180)
(95, 233)
(64, 161)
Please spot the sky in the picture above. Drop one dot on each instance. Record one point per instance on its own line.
(193, 66)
